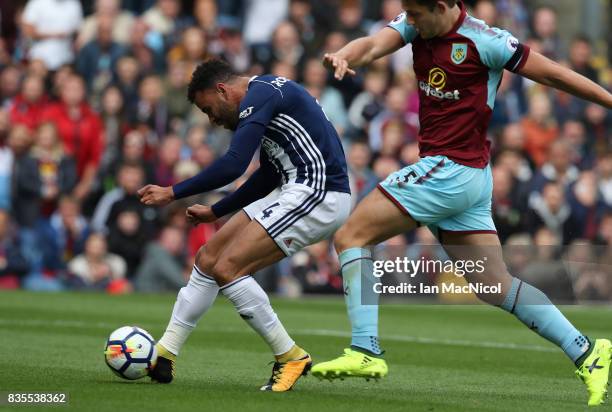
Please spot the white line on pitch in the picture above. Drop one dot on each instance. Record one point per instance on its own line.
(316, 332)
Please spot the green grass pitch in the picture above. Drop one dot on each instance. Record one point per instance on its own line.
(441, 358)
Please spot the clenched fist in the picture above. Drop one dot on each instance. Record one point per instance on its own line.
(197, 214)
(156, 195)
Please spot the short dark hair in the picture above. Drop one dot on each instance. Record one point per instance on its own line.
(207, 74)
(432, 3)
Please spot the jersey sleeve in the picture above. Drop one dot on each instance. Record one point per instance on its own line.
(501, 50)
(260, 104)
(401, 25)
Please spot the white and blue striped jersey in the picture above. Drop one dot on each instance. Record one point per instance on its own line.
(299, 140)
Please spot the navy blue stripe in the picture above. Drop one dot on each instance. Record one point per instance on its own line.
(297, 217)
(202, 273)
(240, 279)
(279, 167)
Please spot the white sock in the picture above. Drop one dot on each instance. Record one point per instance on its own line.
(253, 305)
(192, 302)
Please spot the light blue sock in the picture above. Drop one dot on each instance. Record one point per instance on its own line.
(535, 310)
(361, 301)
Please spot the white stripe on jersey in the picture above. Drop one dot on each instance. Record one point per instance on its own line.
(309, 141)
(305, 147)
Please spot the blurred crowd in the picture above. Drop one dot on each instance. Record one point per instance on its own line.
(93, 106)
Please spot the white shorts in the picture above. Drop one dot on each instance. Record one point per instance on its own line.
(295, 216)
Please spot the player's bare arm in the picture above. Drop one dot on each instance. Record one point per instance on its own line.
(361, 52)
(549, 73)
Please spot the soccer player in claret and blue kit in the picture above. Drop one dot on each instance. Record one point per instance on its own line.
(459, 62)
(298, 196)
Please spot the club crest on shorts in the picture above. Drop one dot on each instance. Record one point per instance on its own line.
(459, 52)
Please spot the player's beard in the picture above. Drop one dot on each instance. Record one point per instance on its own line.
(231, 118)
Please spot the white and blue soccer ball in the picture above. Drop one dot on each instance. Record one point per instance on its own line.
(130, 352)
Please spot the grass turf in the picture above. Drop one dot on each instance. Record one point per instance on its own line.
(442, 358)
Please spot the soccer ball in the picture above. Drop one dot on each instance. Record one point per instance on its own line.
(130, 352)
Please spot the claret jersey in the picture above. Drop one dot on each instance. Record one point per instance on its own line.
(458, 76)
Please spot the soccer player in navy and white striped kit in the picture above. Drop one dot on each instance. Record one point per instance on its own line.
(301, 154)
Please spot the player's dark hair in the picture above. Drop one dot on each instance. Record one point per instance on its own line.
(432, 3)
(207, 75)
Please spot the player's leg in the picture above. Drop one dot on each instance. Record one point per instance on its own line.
(282, 228)
(374, 220)
(194, 299)
(532, 307)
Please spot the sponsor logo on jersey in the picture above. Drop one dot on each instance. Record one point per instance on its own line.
(271, 147)
(459, 52)
(400, 17)
(246, 112)
(512, 44)
(436, 84)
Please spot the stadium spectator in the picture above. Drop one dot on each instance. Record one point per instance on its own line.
(128, 239)
(107, 9)
(604, 178)
(56, 171)
(13, 266)
(128, 73)
(507, 213)
(25, 194)
(60, 238)
(115, 123)
(162, 268)
(192, 49)
(285, 47)
(96, 268)
(174, 89)
(168, 156)
(80, 130)
(316, 269)
(152, 107)
(235, 51)
(540, 128)
(147, 47)
(545, 269)
(98, 58)
(330, 99)
(580, 55)
(485, 10)
(552, 211)
(10, 81)
(130, 178)
(261, 19)
(361, 177)
(350, 19)
(50, 25)
(544, 25)
(370, 102)
(395, 110)
(559, 168)
(27, 107)
(6, 162)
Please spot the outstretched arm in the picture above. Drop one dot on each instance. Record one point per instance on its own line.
(222, 172)
(263, 181)
(361, 52)
(549, 73)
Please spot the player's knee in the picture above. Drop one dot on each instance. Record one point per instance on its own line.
(346, 238)
(205, 260)
(224, 271)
